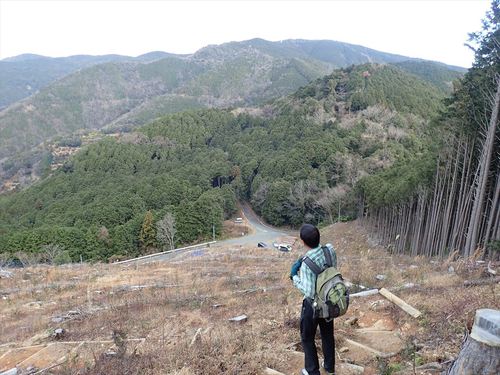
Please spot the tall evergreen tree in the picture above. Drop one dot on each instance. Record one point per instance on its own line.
(147, 236)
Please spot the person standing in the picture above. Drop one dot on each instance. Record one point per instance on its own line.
(305, 280)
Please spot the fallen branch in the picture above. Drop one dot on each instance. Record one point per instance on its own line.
(491, 280)
(196, 337)
(398, 301)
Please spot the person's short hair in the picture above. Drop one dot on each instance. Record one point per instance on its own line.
(310, 235)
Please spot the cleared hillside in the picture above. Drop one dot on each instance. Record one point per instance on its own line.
(173, 317)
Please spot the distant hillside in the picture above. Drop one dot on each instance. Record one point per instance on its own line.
(302, 161)
(438, 74)
(23, 75)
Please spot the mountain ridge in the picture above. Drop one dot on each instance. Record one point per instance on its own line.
(121, 95)
(58, 67)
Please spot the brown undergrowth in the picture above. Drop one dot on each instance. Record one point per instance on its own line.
(182, 307)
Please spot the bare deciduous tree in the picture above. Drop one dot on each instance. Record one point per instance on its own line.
(165, 231)
(51, 251)
(331, 200)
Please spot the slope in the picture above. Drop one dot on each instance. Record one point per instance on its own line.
(301, 163)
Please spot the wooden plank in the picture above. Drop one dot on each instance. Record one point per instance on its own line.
(398, 301)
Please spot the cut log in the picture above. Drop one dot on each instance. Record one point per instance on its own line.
(491, 280)
(491, 270)
(398, 301)
(480, 354)
(364, 293)
(270, 371)
(239, 319)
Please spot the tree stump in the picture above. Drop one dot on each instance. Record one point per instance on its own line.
(480, 354)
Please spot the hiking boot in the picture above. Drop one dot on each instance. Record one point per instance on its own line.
(328, 372)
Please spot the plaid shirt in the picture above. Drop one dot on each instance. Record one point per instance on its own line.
(306, 282)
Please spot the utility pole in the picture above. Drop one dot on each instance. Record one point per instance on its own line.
(213, 231)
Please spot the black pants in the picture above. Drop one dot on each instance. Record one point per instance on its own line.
(308, 327)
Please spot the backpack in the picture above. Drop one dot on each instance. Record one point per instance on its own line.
(331, 299)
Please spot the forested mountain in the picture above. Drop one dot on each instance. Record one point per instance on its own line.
(448, 200)
(298, 158)
(119, 96)
(236, 73)
(23, 75)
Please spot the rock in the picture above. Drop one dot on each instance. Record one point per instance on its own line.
(412, 267)
(58, 333)
(343, 349)
(217, 305)
(110, 353)
(408, 285)
(239, 319)
(430, 366)
(451, 269)
(6, 275)
(13, 371)
(57, 319)
(351, 321)
(381, 277)
(350, 368)
(379, 305)
(33, 305)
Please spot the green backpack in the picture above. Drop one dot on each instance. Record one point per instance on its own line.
(332, 296)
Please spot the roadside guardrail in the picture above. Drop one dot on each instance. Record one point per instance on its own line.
(165, 252)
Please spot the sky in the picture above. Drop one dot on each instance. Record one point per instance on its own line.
(428, 29)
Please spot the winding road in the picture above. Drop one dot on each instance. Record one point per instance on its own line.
(261, 233)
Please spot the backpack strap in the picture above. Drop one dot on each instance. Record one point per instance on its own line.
(328, 256)
(312, 266)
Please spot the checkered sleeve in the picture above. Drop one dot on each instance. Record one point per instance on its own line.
(306, 282)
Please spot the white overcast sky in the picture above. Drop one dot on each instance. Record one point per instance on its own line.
(429, 29)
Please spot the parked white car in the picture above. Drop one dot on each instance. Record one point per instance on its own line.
(282, 246)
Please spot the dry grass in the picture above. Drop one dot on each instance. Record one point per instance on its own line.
(167, 303)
